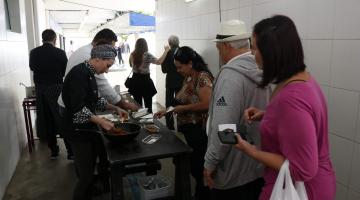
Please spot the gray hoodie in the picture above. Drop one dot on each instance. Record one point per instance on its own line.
(235, 89)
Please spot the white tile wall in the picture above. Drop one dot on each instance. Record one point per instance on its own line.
(210, 6)
(317, 59)
(345, 68)
(13, 69)
(343, 109)
(320, 25)
(246, 16)
(229, 4)
(243, 3)
(352, 195)
(264, 10)
(341, 151)
(331, 39)
(341, 192)
(345, 22)
(2, 22)
(326, 90)
(230, 14)
(355, 169)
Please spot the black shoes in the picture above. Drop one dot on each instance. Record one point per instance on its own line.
(55, 154)
(70, 156)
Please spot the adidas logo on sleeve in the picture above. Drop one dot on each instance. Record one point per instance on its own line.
(221, 102)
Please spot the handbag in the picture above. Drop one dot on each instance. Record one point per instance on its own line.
(129, 82)
(284, 188)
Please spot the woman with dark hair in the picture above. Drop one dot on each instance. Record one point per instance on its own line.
(193, 102)
(140, 59)
(295, 124)
(80, 123)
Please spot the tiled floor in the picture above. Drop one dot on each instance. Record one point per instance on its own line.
(39, 178)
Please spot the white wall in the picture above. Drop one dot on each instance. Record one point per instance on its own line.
(13, 69)
(331, 37)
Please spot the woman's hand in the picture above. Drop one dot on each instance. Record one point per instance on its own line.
(243, 145)
(208, 178)
(122, 114)
(107, 125)
(166, 48)
(160, 114)
(253, 114)
(179, 109)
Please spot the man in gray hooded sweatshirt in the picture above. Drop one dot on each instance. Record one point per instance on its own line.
(229, 172)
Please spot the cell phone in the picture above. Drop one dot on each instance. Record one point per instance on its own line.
(227, 136)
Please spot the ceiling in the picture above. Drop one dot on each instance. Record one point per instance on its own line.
(87, 16)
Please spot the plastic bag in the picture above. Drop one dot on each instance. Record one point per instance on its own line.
(284, 188)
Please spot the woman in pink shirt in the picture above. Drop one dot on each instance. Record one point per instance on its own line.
(295, 124)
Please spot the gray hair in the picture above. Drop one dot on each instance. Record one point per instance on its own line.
(239, 44)
(173, 41)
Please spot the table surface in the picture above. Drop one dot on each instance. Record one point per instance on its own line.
(169, 145)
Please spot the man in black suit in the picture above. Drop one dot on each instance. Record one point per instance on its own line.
(48, 64)
(173, 78)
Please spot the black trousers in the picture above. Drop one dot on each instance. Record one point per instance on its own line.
(147, 100)
(86, 150)
(196, 138)
(170, 101)
(48, 120)
(249, 191)
(143, 87)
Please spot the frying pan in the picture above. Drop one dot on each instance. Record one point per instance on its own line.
(131, 131)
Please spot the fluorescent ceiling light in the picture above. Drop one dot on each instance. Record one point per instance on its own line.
(189, 0)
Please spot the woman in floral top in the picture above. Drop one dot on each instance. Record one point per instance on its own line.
(193, 102)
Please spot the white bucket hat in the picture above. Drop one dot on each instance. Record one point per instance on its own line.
(232, 30)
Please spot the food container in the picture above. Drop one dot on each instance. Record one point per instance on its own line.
(152, 128)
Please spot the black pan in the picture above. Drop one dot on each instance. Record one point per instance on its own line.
(131, 130)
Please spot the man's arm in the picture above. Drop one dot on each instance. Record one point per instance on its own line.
(169, 58)
(125, 104)
(105, 90)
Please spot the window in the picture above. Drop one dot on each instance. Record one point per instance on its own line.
(12, 15)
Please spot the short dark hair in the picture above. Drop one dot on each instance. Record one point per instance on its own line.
(280, 47)
(186, 54)
(48, 35)
(105, 34)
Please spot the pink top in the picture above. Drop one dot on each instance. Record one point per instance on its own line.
(295, 125)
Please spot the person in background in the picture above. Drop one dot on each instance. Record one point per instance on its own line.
(192, 105)
(119, 55)
(295, 123)
(105, 90)
(173, 78)
(140, 60)
(229, 172)
(80, 95)
(48, 64)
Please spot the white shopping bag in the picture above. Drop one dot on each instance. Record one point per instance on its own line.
(284, 188)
